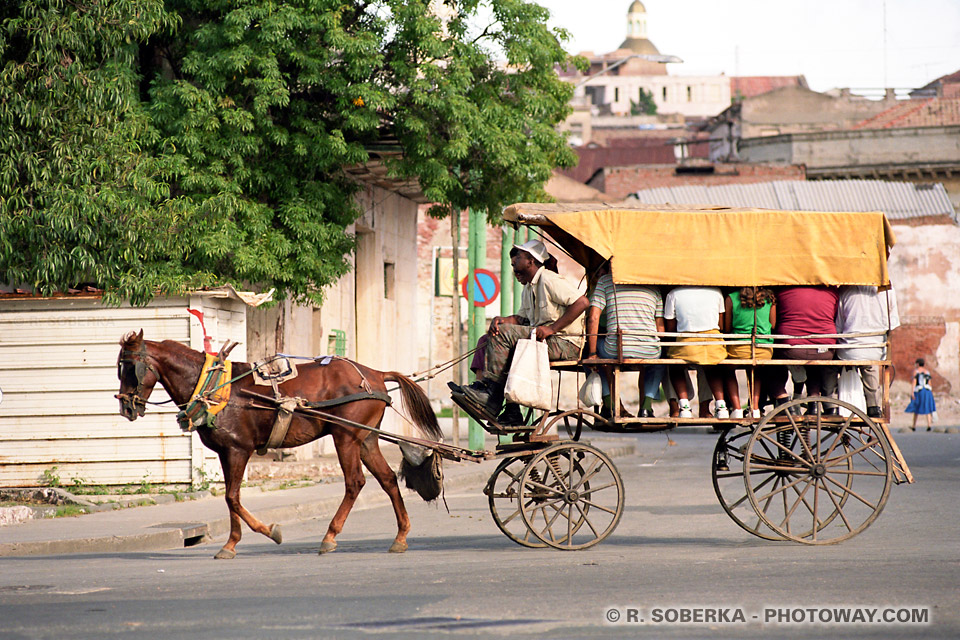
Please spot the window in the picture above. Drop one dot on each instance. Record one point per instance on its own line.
(337, 343)
(616, 94)
(389, 280)
(689, 94)
(664, 94)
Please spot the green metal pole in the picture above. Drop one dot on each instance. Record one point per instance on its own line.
(506, 273)
(478, 260)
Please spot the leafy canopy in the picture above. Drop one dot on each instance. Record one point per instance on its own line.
(152, 146)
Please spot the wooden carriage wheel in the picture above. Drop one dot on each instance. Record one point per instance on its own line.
(835, 473)
(727, 473)
(503, 496)
(573, 422)
(571, 496)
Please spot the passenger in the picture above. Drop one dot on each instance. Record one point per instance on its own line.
(696, 310)
(749, 311)
(550, 304)
(803, 311)
(704, 395)
(864, 309)
(629, 309)
(479, 354)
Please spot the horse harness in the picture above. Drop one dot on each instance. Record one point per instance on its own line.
(287, 406)
(212, 392)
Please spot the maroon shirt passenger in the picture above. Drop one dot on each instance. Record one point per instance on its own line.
(803, 311)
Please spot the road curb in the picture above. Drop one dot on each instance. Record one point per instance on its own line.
(191, 533)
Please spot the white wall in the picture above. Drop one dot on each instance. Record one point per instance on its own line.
(58, 373)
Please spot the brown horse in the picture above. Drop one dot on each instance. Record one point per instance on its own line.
(240, 429)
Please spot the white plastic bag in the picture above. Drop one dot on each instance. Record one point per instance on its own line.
(850, 390)
(591, 393)
(528, 382)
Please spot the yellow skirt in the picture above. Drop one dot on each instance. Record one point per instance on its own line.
(699, 353)
(742, 352)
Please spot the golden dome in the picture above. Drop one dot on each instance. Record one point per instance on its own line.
(637, 7)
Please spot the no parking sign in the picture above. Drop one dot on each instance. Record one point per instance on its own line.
(486, 287)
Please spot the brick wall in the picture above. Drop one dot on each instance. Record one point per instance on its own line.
(619, 182)
(919, 337)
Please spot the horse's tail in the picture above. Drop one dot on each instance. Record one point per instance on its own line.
(417, 404)
(421, 469)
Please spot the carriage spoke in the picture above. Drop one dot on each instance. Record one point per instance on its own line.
(594, 505)
(839, 436)
(837, 507)
(736, 504)
(849, 454)
(539, 485)
(587, 520)
(781, 489)
(593, 470)
(853, 493)
(593, 490)
(789, 512)
(782, 448)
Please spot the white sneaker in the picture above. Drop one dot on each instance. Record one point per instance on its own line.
(736, 414)
(755, 413)
(685, 411)
(722, 413)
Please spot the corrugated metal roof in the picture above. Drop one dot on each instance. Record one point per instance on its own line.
(898, 200)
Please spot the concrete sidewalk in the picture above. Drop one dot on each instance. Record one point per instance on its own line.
(180, 524)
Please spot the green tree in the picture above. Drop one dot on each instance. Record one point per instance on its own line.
(645, 106)
(79, 196)
(246, 116)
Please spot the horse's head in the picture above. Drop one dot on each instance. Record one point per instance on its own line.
(137, 376)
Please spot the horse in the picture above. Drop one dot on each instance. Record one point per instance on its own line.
(242, 427)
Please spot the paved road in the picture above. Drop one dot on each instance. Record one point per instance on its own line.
(674, 549)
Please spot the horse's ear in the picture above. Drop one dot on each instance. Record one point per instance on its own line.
(140, 336)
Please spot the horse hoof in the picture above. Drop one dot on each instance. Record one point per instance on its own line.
(327, 547)
(398, 547)
(276, 534)
(225, 554)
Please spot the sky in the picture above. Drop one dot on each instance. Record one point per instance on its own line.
(834, 43)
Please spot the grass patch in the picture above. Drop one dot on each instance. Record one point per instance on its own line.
(69, 511)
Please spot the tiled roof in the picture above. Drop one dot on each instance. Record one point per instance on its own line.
(898, 200)
(932, 112)
(749, 86)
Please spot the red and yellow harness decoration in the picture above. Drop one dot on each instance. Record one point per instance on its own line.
(210, 396)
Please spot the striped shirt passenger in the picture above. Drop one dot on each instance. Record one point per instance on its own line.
(636, 308)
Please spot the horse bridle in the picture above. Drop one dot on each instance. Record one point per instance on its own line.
(141, 365)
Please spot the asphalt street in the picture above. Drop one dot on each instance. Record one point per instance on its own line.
(675, 550)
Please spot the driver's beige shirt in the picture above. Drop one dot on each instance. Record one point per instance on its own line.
(546, 298)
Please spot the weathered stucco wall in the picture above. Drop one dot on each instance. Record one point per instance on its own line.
(374, 304)
(925, 271)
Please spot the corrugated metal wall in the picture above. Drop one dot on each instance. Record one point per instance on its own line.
(58, 375)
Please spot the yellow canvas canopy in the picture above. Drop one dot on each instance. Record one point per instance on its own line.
(717, 246)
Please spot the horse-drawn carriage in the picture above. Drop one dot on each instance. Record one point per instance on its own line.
(817, 478)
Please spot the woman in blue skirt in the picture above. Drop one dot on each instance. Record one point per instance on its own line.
(922, 402)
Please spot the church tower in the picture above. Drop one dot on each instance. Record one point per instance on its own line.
(637, 42)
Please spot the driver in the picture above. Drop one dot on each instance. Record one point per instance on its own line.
(548, 302)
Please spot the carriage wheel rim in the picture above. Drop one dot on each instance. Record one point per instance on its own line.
(761, 530)
(558, 472)
(854, 457)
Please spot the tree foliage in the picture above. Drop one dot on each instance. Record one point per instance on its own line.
(645, 106)
(152, 146)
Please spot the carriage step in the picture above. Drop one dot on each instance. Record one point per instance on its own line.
(487, 422)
